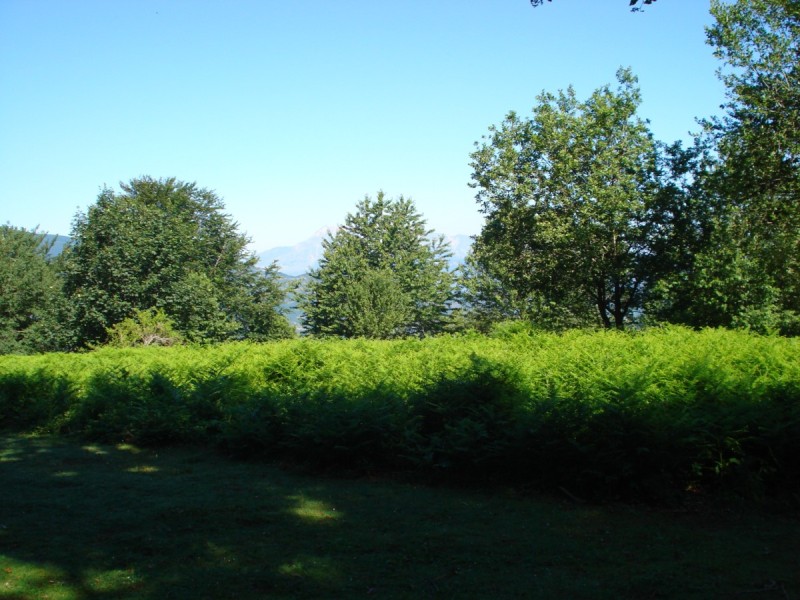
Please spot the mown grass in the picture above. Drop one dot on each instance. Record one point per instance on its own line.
(85, 521)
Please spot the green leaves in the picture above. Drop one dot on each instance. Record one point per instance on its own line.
(759, 143)
(381, 275)
(145, 328)
(168, 245)
(375, 305)
(33, 310)
(569, 199)
(601, 413)
(741, 262)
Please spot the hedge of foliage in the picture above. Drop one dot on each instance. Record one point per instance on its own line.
(596, 413)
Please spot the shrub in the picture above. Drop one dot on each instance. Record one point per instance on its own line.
(144, 328)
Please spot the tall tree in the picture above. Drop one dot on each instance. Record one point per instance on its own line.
(382, 274)
(168, 245)
(569, 198)
(747, 273)
(33, 310)
(759, 140)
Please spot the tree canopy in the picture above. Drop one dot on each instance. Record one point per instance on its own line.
(588, 221)
(747, 274)
(759, 141)
(382, 274)
(166, 244)
(570, 197)
(707, 235)
(33, 310)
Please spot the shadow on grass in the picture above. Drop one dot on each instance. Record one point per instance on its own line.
(83, 521)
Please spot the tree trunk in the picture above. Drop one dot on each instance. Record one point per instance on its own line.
(619, 312)
(602, 305)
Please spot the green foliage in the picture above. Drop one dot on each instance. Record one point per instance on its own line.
(194, 304)
(570, 198)
(602, 414)
(168, 245)
(485, 301)
(376, 306)
(747, 273)
(759, 144)
(144, 328)
(584, 209)
(381, 275)
(258, 304)
(33, 310)
(758, 42)
(468, 420)
(725, 286)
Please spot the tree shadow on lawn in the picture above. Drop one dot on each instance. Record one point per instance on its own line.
(85, 521)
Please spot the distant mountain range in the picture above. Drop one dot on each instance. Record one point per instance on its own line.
(295, 261)
(58, 242)
(298, 259)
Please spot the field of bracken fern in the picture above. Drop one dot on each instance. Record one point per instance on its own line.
(648, 415)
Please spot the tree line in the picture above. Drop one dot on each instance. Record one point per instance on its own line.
(588, 221)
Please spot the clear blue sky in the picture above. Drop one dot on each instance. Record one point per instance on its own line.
(293, 110)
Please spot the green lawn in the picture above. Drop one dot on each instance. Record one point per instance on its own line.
(80, 521)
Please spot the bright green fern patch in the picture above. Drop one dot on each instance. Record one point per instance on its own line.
(606, 413)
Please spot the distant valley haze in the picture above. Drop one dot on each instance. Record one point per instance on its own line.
(298, 259)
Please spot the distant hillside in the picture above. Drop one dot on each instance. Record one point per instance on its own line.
(298, 259)
(289, 306)
(460, 246)
(58, 241)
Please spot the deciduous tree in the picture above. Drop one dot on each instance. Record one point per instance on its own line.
(759, 139)
(569, 197)
(168, 245)
(747, 273)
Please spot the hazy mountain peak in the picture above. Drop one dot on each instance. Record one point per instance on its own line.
(324, 231)
(299, 258)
